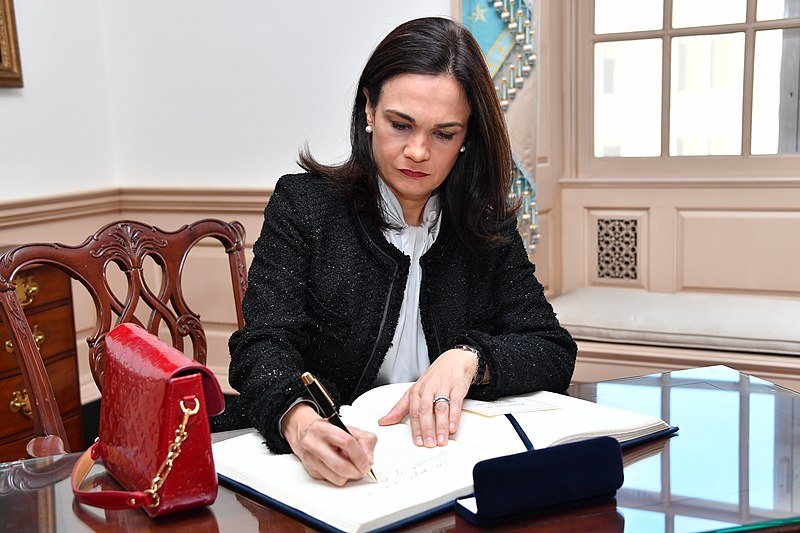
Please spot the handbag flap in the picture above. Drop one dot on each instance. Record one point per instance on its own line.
(136, 351)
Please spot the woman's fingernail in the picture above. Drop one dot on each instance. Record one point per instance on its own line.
(418, 440)
(442, 440)
(429, 442)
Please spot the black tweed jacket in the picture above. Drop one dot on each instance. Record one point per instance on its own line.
(325, 289)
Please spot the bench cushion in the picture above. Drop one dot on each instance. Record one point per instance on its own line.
(689, 320)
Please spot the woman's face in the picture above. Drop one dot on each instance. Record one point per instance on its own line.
(419, 125)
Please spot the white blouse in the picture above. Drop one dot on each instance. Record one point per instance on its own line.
(407, 358)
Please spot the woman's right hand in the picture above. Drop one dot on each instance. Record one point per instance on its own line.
(326, 451)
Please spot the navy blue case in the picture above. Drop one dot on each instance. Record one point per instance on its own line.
(542, 480)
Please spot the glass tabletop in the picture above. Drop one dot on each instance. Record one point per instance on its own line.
(731, 467)
(732, 464)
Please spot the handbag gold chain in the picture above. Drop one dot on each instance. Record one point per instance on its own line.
(172, 454)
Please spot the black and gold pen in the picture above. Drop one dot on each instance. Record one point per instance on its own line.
(329, 410)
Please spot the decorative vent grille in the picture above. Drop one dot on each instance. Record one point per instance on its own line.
(617, 249)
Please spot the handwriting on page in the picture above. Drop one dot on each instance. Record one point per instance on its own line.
(506, 406)
(429, 462)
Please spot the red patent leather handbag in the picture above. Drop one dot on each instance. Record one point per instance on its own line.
(154, 435)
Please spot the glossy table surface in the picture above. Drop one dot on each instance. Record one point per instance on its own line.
(731, 466)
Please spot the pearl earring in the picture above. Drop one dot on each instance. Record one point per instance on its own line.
(463, 148)
(368, 129)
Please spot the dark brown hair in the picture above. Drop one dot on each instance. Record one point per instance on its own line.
(475, 194)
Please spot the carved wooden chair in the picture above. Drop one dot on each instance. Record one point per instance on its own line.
(129, 245)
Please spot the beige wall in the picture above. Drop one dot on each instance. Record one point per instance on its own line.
(719, 237)
(550, 148)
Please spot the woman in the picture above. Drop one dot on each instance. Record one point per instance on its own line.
(401, 264)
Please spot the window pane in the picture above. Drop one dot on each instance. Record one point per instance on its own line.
(706, 95)
(776, 82)
(612, 16)
(761, 452)
(777, 9)
(720, 464)
(627, 99)
(688, 13)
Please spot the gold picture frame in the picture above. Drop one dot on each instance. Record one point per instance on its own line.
(10, 66)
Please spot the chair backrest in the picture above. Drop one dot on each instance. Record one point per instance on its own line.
(129, 245)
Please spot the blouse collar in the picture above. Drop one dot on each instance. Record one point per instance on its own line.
(393, 211)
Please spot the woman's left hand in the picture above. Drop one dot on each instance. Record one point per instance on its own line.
(449, 376)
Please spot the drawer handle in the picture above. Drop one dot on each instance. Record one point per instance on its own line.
(26, 290)
(21, 403)
(38, 337)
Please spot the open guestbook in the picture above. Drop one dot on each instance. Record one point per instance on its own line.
(412, 482)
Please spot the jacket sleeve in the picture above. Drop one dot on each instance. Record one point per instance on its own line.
(266, 354)
(524, 346)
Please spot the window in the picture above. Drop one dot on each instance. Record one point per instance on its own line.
(688, 87)
(663, 492)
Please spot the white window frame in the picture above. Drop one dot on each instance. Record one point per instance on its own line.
(781, 168)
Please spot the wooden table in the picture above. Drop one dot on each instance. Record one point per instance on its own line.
(733, 463)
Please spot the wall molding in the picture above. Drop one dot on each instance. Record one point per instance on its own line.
(130, 200)
(208, 200)
(55, 208)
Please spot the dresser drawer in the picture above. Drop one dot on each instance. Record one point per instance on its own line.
(46, 295)
(54, 327)
(64, 377)
(41, 285)
(15, 449)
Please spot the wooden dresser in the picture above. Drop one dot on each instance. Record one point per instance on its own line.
(46, 295)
